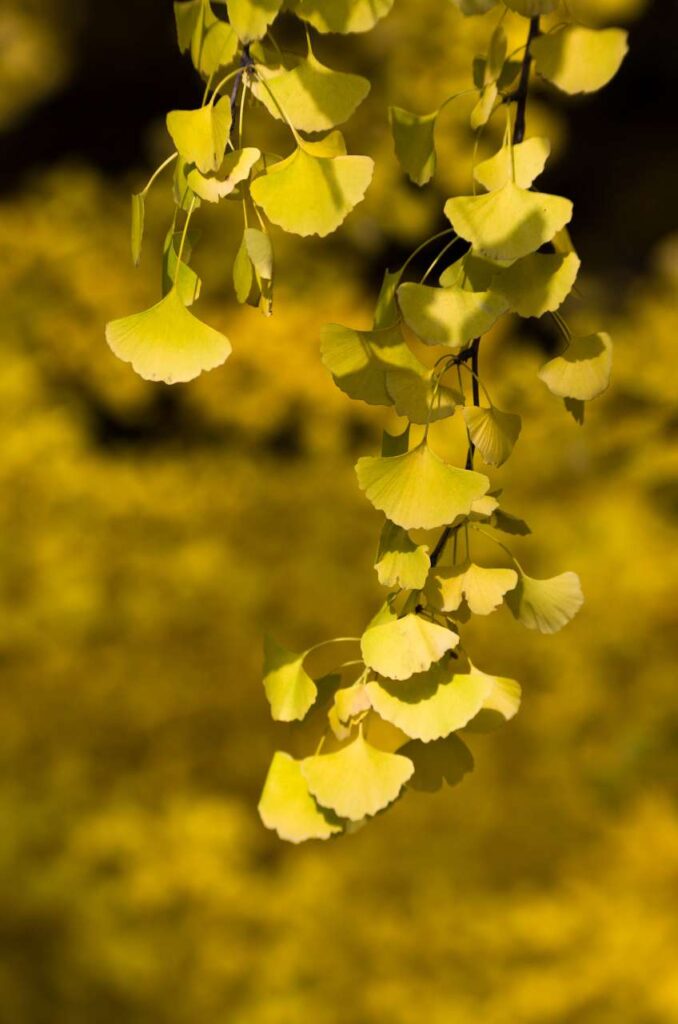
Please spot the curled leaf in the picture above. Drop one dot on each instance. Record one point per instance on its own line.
(290, 690)
(401, 562)
(359, 360)
(493, 432)
(448, 316)
(546, 605)
(236, 168)
(287, 807)
(401, 647)
(413, 138)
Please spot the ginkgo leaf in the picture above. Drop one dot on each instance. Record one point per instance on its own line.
(351, 701)
(401, 647)
(538, 283)
(312, 96)
(509, 223)
(483, 507)
(187, 16)
(433, 704)
(413, 138)
(184, 196)
(448, 316)
(412, 395)
(260, 252)
(236, 168)
(493, 432)
(546, 605)
(251, 18)
(473, 273)
(532, 8)
(310, 194)
(176, 273)
(358, 780)
(400, 562)
(359, 360)
(483, 588)
(290, 690)
(386, 310)
(166, 342)
(446, 760)
(482, 111)
(508, 523)
(578, 59)
(243, 274)
(521, 163)
(217, 48)
(287, 807)
(419, 490)
(137, 233)
(201, 135)
(583, 370)
(342, 16)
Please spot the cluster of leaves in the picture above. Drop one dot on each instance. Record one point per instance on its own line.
(308, 192)
(387, 708)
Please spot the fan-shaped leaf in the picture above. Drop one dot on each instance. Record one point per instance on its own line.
(472, 273)
(546, 605)
(527, 162)
(290, 690)
(401, 647)
(583, 370)
(448, 316)
(287, 807)
(236, 168)
(446, 760)
(413, 138)
(482, 111)
(493, 432)
(578, 59)
(359, 360)
(412, 395)
(401, 562)
(342, 15)
(538, 283)
(483, 588)
(201, 135)
(251, 18)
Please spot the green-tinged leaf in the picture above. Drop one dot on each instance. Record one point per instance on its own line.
(287, 807)
(496, 53)
(350, 702)
(307, 194)
(201, 135)
(509, 223)
(508, 523)
(419, 490)
(433, 704)
(359, 360)
(483, 507)
(500, 706)
(342, 16)
(583, 371)
(448, 316)
(546, 605)
(386, 311)
(166, 342)
(413, 138)
(358, 780)
(184, 197)
(446, 760)
(290, 690)
(578, 59)
(493, 432)
(401, 647)
(243, 273)
(522, 163)
(538, 283)
(218, 48)
(472, 273)
(187, 17)
(137, 234)
(260, 252)
(400, 562)
(532, 8)
(412, 394)
(483, 588)
(177, 273)
(471, 7)
(482, 111)
(252, 18)
(312, 96)
(236, 167)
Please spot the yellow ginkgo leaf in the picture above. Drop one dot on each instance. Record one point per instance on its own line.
(583, 370)
(290, 690)
(483, 588)
(482, 111)
(412, 394)
(401, 647)
(419, 490)
(521, 163)
(538, 283)
(473, 273)
(212, 42)
(357, 781)
(578, 59)
(448, 316)
(312, 96)
(236, 167)
(287, 807)
(252, 18)
(166, 342)
(433, 704)
(349, 702)
(311, 194)
(501, 705)
(446, 760)
(359, 360)
(400, 562)
(413, 138)
(200, 136)
(493, 432)
(341, 15)
(509, 223)
(546, 605)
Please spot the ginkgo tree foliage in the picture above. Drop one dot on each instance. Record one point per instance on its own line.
(387, 712)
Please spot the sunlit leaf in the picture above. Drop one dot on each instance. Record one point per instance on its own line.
(341, 15)
(290, 690)
(493, 432)
(200, 135)
(401, 647)
(446, 760)
(260, 252)
(166, 342)
(137, 234)
(243, 273)
(578, 59)
(538, 283)
(483, 588)
(509, 223)
(177, 273)
(448, 316)
(418, 489)
(411, 392)
(236, 167)
(358, 780)
(251, 18)
(433, 704)
(413, 137)
(401, 562)
(359, 360)
(583, 370)
(473, 273)
(500, 706)
(287, 807)
(546, 605)
(522, 163)
(482, 111)
(218, 47)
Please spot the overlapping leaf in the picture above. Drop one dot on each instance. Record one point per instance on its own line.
(252, 18)
(359, 360)
(342, 16)
(493, 432)
(482, 588)
(200, 136)
(290, 690)
(538, 283)
(235, 168)
(399, 648)
(582, 372)
(522, 163)
(450, 316)
(287, 807)
(400, 562)
(414, 141)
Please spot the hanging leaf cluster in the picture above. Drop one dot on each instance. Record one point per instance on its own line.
(388, 711)
(308, 190)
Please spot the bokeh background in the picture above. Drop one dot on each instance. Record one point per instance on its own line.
(149, 535)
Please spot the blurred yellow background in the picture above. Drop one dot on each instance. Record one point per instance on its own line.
(150, 535)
